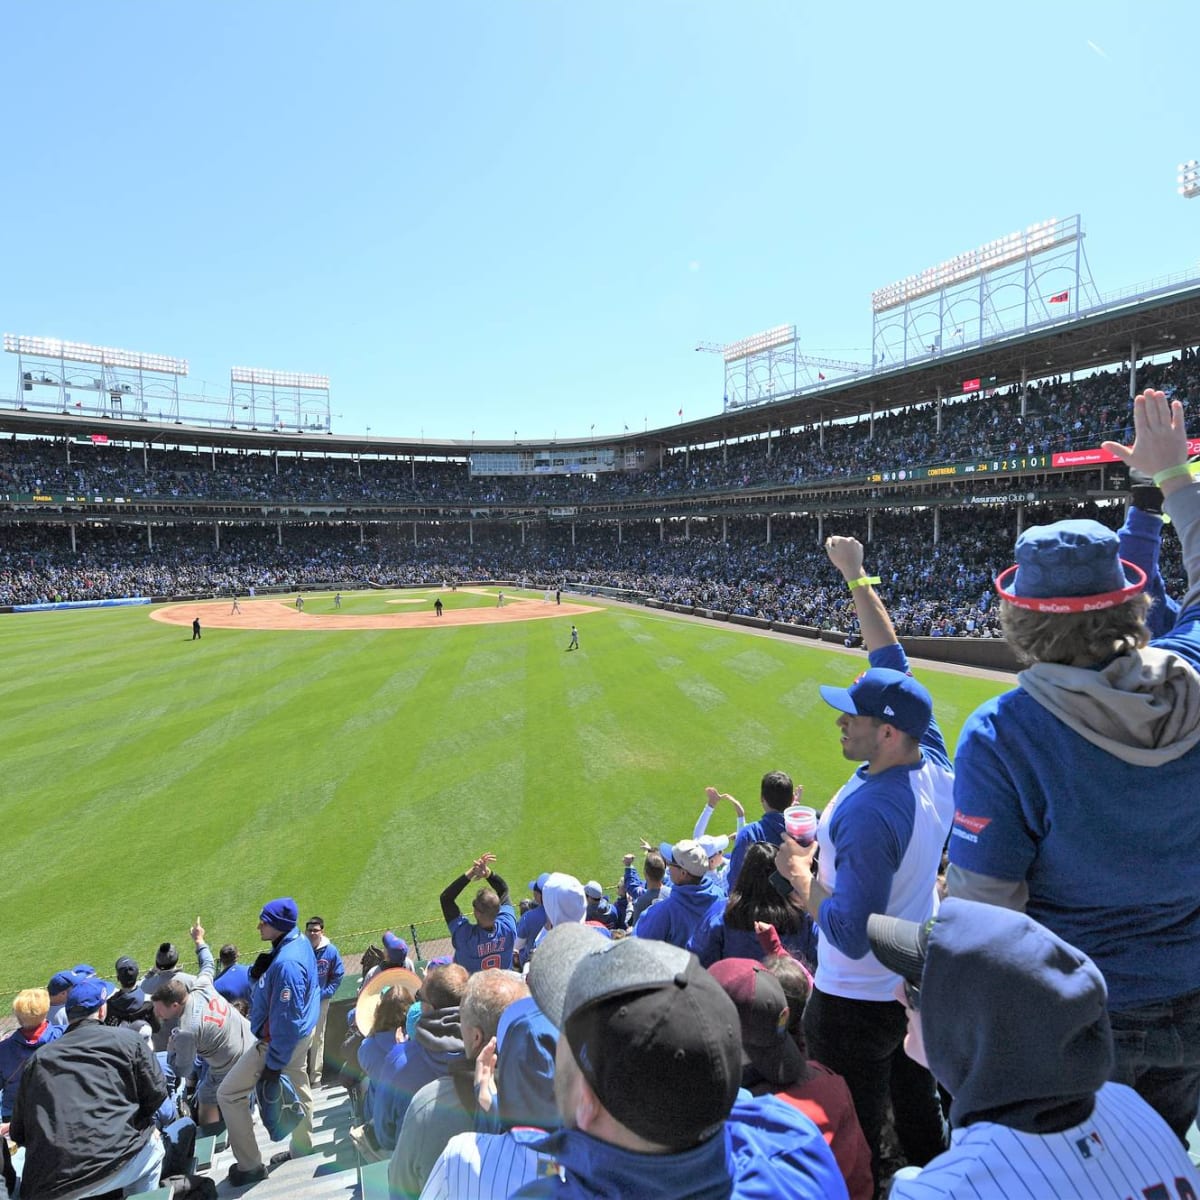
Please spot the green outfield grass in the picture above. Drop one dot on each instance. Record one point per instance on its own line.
(148, 778)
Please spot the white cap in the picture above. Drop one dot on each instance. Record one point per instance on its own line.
(593, 890)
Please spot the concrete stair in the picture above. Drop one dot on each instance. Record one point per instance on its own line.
(330, 1172)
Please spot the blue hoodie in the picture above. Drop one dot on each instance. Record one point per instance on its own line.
(677, 917)
(286, 1000)
(1140, 541)
(994, 980)
(768, 1151)
(1015, 1025)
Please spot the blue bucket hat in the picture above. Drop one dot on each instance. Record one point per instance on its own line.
(1069, 567)
(892, 696)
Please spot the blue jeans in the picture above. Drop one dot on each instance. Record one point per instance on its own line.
(1158, 1055)
(863, 1041)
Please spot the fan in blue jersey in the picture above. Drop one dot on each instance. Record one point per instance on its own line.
(487, 942)
(1075, 796)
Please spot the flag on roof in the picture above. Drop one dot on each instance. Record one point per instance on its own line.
(1061, 297)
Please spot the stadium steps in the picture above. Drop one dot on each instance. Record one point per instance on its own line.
(330, 1172)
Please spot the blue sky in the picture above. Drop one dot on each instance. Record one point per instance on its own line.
(522, 216)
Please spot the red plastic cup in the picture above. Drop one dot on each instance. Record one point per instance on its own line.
(801, 822)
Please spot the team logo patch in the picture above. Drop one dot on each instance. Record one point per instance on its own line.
(285, 995)
(975, 825)
(1090, 1146)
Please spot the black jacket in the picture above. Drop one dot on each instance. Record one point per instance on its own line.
(85, 1108)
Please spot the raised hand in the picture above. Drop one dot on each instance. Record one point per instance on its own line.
(1159, 435)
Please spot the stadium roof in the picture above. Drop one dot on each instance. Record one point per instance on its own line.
(1159, 325)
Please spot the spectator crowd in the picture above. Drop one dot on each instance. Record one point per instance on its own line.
(939, 952)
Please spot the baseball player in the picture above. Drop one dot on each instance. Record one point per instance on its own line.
(574, 644)
(1013, 1021)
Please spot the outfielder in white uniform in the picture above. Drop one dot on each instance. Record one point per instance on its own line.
(1013, 1021)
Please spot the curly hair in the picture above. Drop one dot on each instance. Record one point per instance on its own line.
(1075, 639)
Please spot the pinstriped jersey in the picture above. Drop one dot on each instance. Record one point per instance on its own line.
(485, 1166)
(1123, 1151)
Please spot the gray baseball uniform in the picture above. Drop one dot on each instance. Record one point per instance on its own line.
(209, 1028)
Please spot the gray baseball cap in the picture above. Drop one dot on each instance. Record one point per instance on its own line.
(643, 1010)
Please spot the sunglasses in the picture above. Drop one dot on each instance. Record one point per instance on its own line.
(912, 996)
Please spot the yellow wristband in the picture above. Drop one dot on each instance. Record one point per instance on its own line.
(1173, 473)
(861, 581)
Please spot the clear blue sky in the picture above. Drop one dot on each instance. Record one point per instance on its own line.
(523, 215)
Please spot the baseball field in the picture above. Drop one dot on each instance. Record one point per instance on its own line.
(359, 758)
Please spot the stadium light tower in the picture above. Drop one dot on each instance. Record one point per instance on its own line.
(1189, 179)
(303, 398)
(768, 365)
(104, 381)
(1009, 284)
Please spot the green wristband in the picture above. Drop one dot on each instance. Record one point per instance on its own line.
(1173, 473)
(861, 581)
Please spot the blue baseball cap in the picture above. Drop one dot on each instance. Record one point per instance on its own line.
(88, 995)
(63, 981)
(891, 696)
(396, 948)
(536, 885)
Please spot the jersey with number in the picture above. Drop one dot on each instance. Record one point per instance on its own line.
(209, 1026)
(479, 949)
(1123, 1151)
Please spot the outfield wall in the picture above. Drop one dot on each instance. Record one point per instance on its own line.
(992, 654)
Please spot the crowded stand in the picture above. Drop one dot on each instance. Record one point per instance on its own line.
(1058, 415)
(937, 576)
(801, 1019)
(935, 589)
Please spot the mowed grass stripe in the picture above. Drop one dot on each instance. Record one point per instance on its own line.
(148, 778)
